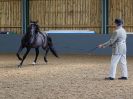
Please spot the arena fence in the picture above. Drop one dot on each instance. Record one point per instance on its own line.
(10, 15)
(121, 9)
(65, 14)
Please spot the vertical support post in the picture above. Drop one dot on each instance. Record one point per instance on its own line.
(25, 15)
(105, 6)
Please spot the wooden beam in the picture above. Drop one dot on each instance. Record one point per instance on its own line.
(57, 26)
(69, 26)
(25, 15)
(104, 16)
(112, 26)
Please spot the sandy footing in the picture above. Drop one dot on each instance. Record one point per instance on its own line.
(69, 77)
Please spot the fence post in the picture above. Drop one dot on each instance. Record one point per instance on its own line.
(105, 16)
(25, 15)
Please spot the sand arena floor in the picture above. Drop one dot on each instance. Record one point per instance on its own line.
(70, 77)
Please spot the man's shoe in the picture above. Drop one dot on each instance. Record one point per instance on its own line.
(109, 78)
(122, 78)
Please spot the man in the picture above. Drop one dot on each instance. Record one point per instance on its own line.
(118, 44)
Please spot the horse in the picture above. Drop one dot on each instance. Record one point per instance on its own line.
(35, 39)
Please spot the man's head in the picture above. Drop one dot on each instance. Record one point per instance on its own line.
(118, 22)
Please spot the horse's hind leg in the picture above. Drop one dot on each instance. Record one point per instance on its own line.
(37, 53)
(28, 50)
(19, 51)
(45, 56)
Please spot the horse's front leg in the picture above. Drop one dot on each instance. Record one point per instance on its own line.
(19, 51)
(28, 50)
(37, 53)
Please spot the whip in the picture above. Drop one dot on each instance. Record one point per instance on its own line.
(93, 49)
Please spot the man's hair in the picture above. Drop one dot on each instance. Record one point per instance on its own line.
(118, 22)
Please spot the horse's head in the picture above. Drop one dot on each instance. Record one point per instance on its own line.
(34, 28)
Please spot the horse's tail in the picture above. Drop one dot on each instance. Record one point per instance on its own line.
(50, 44)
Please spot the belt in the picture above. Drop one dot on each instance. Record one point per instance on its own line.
(121, 42)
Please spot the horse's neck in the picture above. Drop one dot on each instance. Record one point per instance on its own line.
(27, 34)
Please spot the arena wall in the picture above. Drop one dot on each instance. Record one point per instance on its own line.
(67, 44)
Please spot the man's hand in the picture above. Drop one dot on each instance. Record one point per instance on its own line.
(101, 46)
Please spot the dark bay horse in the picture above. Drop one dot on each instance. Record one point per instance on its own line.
(35, 39)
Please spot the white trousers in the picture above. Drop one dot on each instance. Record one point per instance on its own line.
(115, 59)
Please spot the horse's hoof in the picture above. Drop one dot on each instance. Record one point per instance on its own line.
(33, 63)
(45, 60)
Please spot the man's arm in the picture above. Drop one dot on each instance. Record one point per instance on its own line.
(110, 42)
